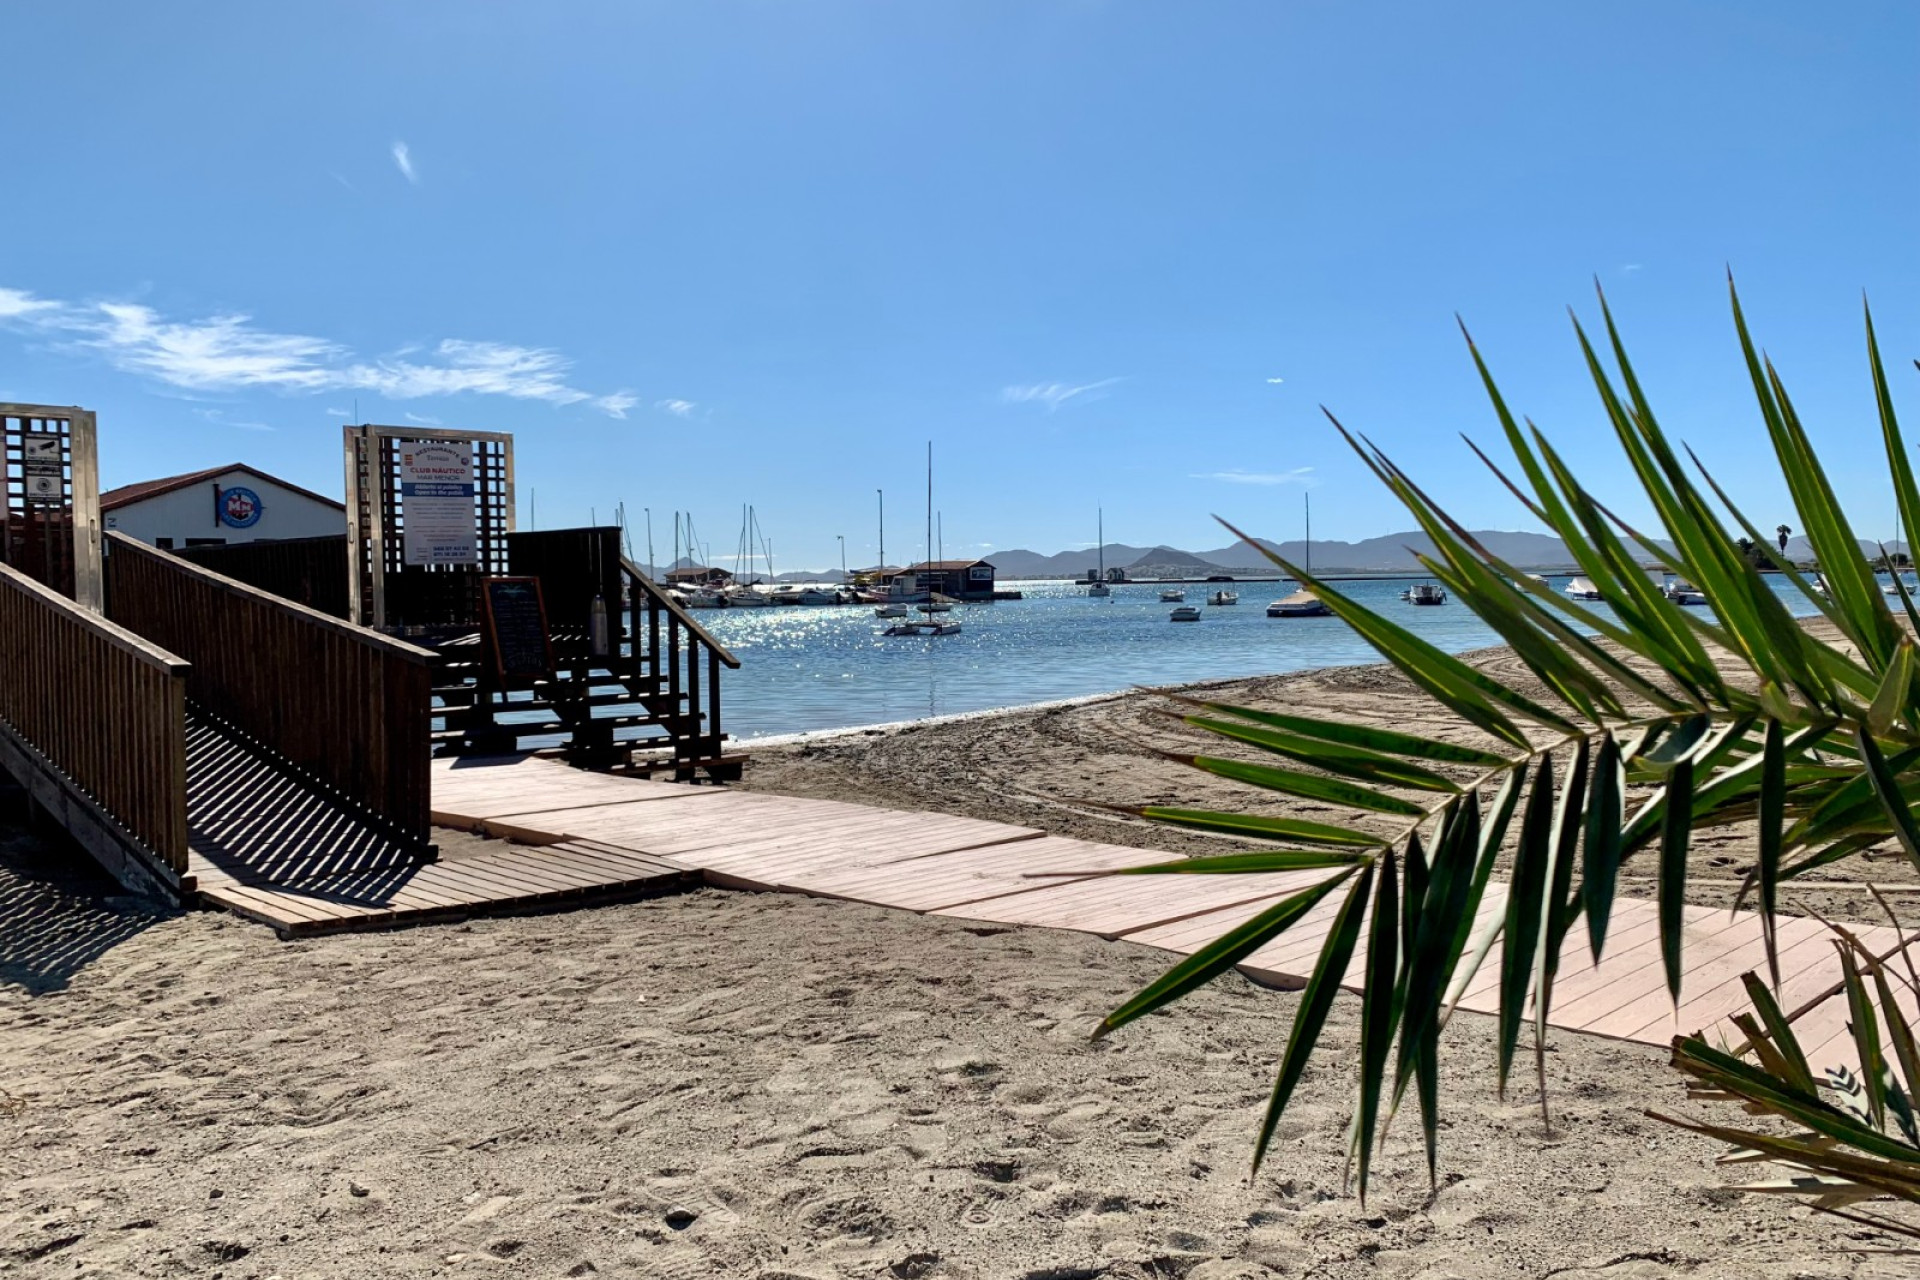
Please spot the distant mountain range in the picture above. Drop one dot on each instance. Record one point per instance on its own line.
(1393, 553)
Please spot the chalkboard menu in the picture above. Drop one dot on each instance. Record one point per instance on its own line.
(517, 628)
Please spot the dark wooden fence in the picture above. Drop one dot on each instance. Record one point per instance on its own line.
(101, 705)
(573, 565)
(309, 571)
(345, 706)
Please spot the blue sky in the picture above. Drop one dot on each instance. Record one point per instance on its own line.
(712, 253)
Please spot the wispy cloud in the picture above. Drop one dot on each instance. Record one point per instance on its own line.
(226, 353)
(337, 413)
(1630, 268)
(341, 179)
(219, 418)
(403, 161)
(1054, 394)
(1299, 475)
(617, 404)
(421, 418)
(18, 302)
(1274, 382)
(678, 408)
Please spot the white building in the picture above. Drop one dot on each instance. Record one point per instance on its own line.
(233, 503)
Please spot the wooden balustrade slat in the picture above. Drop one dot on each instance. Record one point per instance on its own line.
(104, 706)
(346, 706)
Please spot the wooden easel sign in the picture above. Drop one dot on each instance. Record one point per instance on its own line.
(516, 628)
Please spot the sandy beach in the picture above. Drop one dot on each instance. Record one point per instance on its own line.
(730, 1084)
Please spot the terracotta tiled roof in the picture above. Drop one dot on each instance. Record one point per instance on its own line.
(127, 493)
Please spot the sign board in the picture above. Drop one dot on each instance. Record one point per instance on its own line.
(436, 501)
(43, 469)
(238, 508)
(516, 628)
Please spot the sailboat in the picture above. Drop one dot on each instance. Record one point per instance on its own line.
(1302, 603)
(934, 602)
(1099, 586)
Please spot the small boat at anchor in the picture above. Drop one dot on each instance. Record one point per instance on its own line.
(1223, 598)
(1172, 595)
(1427, 593)
(890, 611)
(1685, 593)
(1185, 613)
(1301, 604)
(928, 628)
(1583, 589)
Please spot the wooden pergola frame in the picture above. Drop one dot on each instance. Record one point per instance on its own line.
(376, 514)
(77, 502)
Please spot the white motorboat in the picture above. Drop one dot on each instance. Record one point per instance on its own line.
(705, 598)
(1893, 588)
(1684, 593)
(1223, 598)
(1583, 589)
(1185, 613)
(819, 595)
(1172, 595)
(890, 611)
(1301, 604)
(1425, 593)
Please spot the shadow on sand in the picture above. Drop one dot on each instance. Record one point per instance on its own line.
(59, 911)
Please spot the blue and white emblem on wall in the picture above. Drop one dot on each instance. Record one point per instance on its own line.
(240, 508)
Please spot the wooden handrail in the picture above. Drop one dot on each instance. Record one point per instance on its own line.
(105, 710)
(672, 606)
(105, 628)
(219, 581)
(345, 706)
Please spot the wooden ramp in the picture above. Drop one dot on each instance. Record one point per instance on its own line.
(594, 829)
(264, 844)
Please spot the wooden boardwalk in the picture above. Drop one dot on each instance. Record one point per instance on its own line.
(597, 835)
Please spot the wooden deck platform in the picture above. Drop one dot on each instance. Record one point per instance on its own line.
(593, 836)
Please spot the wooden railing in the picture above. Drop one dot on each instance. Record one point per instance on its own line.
(104, 707)
(309, 571)
(344, 706)
(675, 655)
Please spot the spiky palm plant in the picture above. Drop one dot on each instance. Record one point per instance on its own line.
(1821, 746)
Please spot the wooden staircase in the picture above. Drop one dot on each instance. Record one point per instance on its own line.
(639, 707)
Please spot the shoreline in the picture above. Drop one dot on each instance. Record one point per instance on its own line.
(1016, 709)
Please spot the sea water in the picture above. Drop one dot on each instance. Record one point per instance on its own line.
(829, 667)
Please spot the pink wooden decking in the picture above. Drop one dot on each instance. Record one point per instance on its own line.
(969, 869)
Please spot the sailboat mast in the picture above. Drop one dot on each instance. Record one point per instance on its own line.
(1101, 550)
(1307, 498)
(929, 542)
(883, 526)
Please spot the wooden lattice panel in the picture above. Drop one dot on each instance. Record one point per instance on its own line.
(50, 498)
(389, 592)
